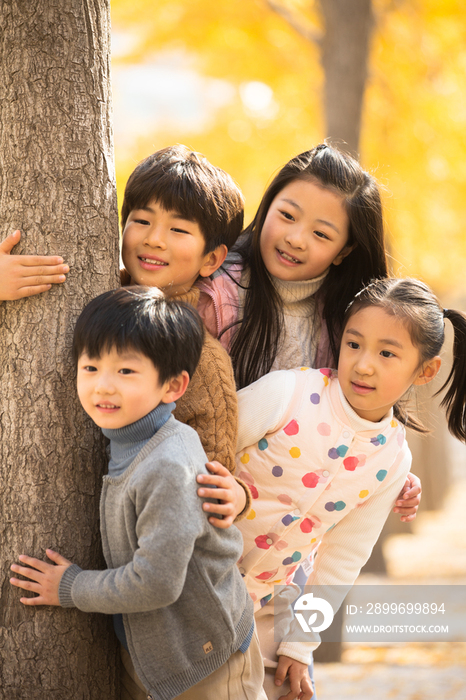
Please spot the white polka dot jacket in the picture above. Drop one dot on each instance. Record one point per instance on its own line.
(321, 478)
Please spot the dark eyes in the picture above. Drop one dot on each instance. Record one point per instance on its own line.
(125, 370)
(353, 345)
(287, 215)
(387, 353)
(90, 368)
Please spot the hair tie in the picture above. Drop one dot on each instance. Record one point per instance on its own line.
(445, 311)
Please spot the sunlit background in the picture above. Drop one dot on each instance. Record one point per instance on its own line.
(241, 83)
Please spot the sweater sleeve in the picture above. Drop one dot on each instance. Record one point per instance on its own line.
(262, 406)
(155, 576)
(344, 550)
(209, 405)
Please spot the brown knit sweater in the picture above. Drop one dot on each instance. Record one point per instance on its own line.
(209, 404)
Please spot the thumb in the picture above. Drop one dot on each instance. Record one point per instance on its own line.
(57, 558)
(9, 243)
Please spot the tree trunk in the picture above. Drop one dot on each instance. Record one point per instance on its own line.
(345, 48)
(57, 185)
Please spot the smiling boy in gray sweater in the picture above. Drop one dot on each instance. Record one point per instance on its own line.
(181, 610)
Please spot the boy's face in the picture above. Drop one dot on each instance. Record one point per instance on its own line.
(119, 388)
(162, 249)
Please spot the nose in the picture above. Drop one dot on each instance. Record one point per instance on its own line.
(155, 237)
(295, 237)
(364, 365)
(104, 385)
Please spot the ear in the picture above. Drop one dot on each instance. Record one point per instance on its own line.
(343, 254)
(213, 260)
(175, 387)
(428, 371)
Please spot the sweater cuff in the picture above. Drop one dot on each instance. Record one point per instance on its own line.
(66, 584)
(299, 651)
(247, 493)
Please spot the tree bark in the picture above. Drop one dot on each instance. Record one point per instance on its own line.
(345, 49)
(57, 186)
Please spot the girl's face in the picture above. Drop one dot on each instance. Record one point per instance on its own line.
(378, 362)
(304, 232)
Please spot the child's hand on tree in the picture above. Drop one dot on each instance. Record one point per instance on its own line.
(26, 275)
(231, 496)
(298, 676)
(409, 499)
(44, 578)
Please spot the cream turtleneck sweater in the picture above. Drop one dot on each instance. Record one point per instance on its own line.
(300, 339)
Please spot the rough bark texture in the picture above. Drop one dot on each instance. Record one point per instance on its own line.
(345, 48)
(57, 185)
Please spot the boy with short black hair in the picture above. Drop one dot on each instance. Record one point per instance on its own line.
(180, 215)
(182, 610)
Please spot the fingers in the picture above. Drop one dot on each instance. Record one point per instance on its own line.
(284, 663)
(406, 505)
(412, 487)
(217, 468)
(218, 481)
(218, 493)
(35, 564)
(408, 518)
(9, 243)
(222, 523)
(57, 558)
(43, 264)
(31, 291)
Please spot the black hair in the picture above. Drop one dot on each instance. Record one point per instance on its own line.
(169, 332)
(418, 308)
(256, 342)
(185, 182)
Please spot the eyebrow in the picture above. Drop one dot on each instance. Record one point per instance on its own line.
(383, 341)
(175, 214)
(320, 221)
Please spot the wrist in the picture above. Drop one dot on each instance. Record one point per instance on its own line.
(66, 584)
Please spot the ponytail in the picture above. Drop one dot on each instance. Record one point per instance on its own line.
(412, 301)
(454, 400)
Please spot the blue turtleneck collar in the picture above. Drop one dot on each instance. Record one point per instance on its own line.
(126, 442)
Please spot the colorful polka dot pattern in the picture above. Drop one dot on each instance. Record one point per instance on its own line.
(337, 452)
(379, 440)
(292, 428)
(339, 505)
(307, 485)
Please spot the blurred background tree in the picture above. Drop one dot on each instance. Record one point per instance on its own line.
(250, 85)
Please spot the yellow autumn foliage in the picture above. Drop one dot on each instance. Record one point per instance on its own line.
(258, 103)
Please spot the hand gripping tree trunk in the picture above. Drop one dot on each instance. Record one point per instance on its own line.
(57, 185)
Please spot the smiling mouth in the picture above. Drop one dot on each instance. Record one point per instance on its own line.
(151, 261)
(288, 257)
(107, 406)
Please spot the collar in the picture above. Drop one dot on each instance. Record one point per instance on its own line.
(291, 292)
(361, 424)
(141, 430)
(190, 297)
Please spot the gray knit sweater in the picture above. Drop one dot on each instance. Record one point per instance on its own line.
(172, 575)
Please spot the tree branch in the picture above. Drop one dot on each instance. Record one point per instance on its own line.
(296, 22)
